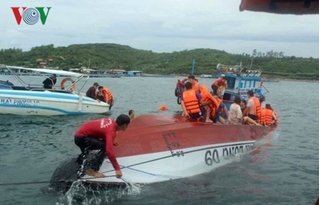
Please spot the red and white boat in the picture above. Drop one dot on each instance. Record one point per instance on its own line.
(158, 148)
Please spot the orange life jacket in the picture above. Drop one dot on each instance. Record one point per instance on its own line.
(195, 87)
(107, 95)
(216, 107)
(191, 101)
(266, 117)
(206, 97)
(256, 107)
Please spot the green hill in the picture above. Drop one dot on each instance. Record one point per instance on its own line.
(114, 56)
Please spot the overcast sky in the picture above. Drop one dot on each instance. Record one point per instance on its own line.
(161, 26)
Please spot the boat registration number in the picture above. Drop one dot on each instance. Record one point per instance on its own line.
(215, 155)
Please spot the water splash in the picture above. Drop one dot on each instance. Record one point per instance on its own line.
(99, 194)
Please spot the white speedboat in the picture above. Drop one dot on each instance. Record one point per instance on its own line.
(28, 99)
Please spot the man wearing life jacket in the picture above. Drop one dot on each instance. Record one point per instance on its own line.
(194, 83)
(253, 108)
(219, 86)
(99, 135)
(268, 117)
(191, 101)
(105, 95)
(213, 105)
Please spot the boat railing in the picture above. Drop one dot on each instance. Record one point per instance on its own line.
(45, 74)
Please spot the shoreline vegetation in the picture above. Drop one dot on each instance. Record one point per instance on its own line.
(274, 65)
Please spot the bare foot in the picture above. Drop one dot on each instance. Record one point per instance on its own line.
(209, 120)
(95, 174)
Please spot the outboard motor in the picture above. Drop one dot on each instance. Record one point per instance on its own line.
(64, 175)
(70, 171)
(179, 90)
(176, 92)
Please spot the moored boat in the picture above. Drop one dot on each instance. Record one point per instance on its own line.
(29, 99)
(239, 82)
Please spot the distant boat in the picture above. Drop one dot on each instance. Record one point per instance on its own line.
(207, 76)
(94, 73)
(271, 80)
(240, 81)
(29, 99)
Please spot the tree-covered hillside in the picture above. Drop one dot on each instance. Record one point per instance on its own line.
(114, 56)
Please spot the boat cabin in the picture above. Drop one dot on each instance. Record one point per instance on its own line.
(240, 82)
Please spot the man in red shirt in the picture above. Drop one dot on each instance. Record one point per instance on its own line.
(219, 84)
(99, 135)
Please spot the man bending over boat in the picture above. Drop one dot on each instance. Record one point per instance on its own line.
(99, 135)
(48, 83)
(105, 95)
(191, 101)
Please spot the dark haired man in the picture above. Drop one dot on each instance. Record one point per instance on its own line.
(99, 135)
(131, 114)
(48, 83)
(194, 83)
(92, 91)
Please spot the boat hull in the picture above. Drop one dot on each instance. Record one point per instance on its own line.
(46, 103)
(161, 148)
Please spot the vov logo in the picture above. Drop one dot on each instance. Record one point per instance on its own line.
(31, 16)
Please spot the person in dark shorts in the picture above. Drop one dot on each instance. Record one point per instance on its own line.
(99, 135)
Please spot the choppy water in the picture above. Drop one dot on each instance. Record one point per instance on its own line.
(284, 171)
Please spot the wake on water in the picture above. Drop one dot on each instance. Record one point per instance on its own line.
(81, 194)
(65, 181)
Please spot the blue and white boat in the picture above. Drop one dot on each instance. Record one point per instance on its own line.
(239, 82)
(28, 99)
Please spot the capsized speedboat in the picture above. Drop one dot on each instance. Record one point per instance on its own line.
(157, 148)
(29, 99)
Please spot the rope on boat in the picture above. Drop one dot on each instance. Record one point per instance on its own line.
(24, 183)
(47, 182)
